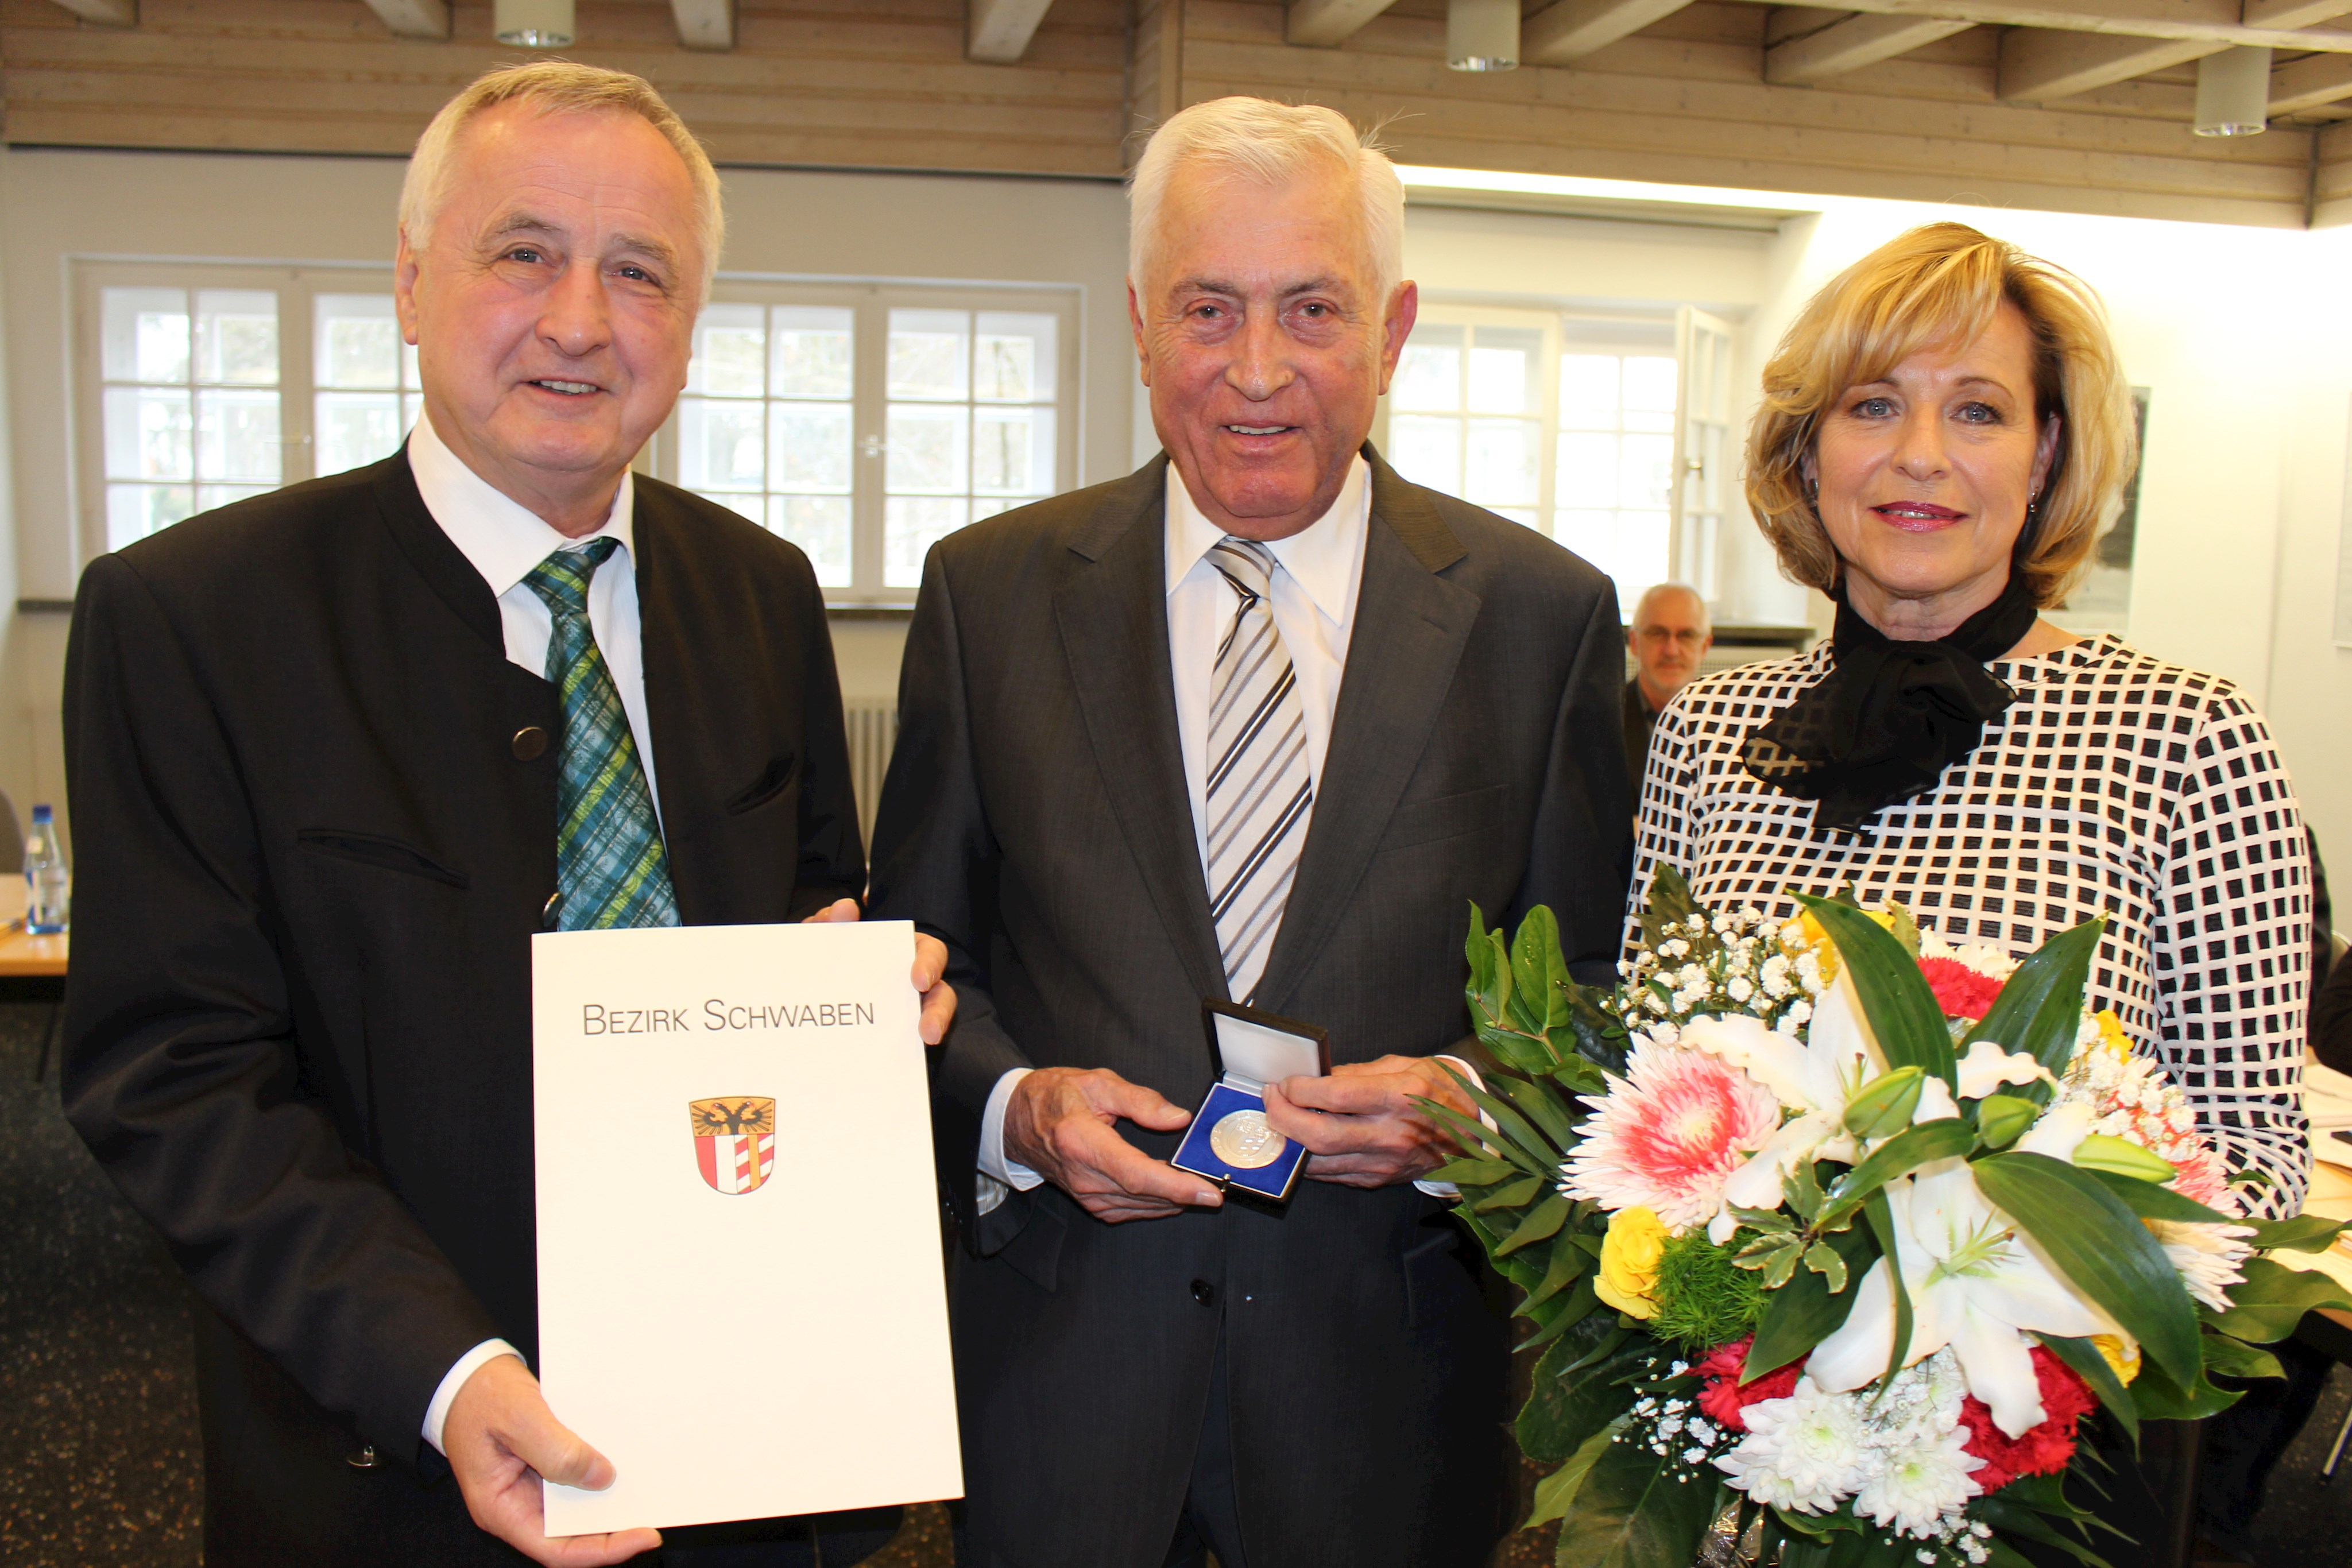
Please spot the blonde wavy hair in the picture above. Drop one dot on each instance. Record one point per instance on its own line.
(559, 87)
(1943, 283)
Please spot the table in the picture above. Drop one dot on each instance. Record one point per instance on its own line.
(33, 969)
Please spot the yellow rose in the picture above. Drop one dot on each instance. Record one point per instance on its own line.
(1629, 1262)
(2121, 1354)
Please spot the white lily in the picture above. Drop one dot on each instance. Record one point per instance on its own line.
(1813, 1077)
(1987, 1067)
(1976, 1284)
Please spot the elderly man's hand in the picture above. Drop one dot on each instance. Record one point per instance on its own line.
(504, 1444)
(1062, 1122)
(931, 964)
(1360, 1125)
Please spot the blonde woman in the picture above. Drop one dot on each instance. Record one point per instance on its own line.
(1945, 432)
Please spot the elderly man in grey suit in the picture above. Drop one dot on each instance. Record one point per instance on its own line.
(1259, 722)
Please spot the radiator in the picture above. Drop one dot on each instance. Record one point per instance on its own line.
(873, 732)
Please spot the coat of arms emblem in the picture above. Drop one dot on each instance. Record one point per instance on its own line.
(734, 1141)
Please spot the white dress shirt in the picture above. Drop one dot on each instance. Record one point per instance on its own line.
(1313, 589)
(505, 540)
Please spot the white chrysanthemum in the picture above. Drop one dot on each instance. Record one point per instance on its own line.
(1804, 1452)
(2211, 1258)
(1915, 1488)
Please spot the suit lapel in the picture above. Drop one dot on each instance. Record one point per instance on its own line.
(1113, 616)
(668, 600)
(435, 557)
(1410, 628)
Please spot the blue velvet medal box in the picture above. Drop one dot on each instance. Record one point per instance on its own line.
(1229, 1142)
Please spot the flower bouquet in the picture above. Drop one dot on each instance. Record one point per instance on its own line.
(1832, 1235)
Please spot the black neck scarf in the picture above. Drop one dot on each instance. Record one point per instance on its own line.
(1890, 717)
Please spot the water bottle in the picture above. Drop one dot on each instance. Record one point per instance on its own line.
(47, 879)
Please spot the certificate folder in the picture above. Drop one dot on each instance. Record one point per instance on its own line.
(740, 1294)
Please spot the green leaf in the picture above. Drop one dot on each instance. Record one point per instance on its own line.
(1540, 987)
(2161, 1398)
(1543, 1220)
(2265, 1306)
(1515, 1195)
(1882, 1226)
(2150, 1201)
(1560, 1314)
(1473, 1173)
(2111, 1156)
(1670, 903)
(2040, 1007)
(1638, 1509)
(2014, 1516)
(1902, 1011)
(2085, 1358)
(2097, 1241)
(1473, 1135)
(2228, 1357)
(2304, 1233)
(1572, 1397)
(1568, 1264)
(1541, 1104)
(1945, 1138)
(2001, 1118)
(1506, 1117)
(1824, 1259)
(1806, 1312)
(1883, 1106)
(1555, 1493)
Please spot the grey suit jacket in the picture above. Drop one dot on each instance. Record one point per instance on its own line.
(1037, 820)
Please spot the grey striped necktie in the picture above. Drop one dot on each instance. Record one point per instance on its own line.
(1260, 793)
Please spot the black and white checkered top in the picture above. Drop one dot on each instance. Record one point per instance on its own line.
(2115, 784)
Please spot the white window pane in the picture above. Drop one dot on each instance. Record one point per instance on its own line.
(990, 506)
(1526, 515)
(811, 351)
(820, 526)
(1646, 471)
(149, 434)
(1427, 451)
(355, 343)
(747, 507)
(1013, 357)
(926, 449)
(411, 409)
(1650, 382)
(912, 525)
(1429, 372)
(1588, 392)
(145, 335)
(1502, 460)
(356, 429)
(809, 447)
(236, 437)
(721, 444)
(237, 337)
(409, 379)
(134, 511)
(1012, 451)
(1593, 535)
(1587, 476)
(211, 496)
(928, 353)
(1503, 368)
(1647, 420)
(730, 353)
(1641, 553)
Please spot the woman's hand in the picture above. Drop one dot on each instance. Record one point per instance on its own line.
(930, 969)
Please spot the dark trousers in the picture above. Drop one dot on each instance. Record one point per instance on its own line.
(1211, 1520)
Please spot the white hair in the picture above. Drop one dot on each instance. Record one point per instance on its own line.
(1269, 145)
(559, 87)
(1649, 595)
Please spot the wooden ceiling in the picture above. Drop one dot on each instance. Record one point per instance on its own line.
(2070, 105)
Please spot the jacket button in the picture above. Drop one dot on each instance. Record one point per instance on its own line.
(1204, 1292)
(363, 1460)
(554, 903)
(529, 743)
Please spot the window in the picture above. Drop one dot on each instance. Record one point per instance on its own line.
(368, 396)
(1562, 423)
(866, 424)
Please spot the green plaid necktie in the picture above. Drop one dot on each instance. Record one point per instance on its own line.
(610, 868)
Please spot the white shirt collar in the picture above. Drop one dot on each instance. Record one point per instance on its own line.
(502, 537)
(1322, 557)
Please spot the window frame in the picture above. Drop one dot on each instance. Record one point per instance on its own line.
(871, 301)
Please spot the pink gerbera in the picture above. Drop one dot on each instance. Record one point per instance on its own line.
(1669, 1131)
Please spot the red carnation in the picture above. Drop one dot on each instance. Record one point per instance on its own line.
(1959, 990)
(2044, 1450)
(1721, 1396)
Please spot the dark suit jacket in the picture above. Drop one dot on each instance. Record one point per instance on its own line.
(1037, 820)
(1640, 720)
(312, 859)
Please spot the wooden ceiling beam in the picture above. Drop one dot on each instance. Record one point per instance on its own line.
(2310, 82)
(997, 32)
(704, 25)
(1328, 24)
(1568, 30)
(2215, 22)
(104, 13)
(2293, 13)
(2039, 65)
(1850, 45)
(414, 18)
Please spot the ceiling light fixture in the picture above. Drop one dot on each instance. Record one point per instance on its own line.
(535, 24)
(1482, 35)
(2234, 92)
